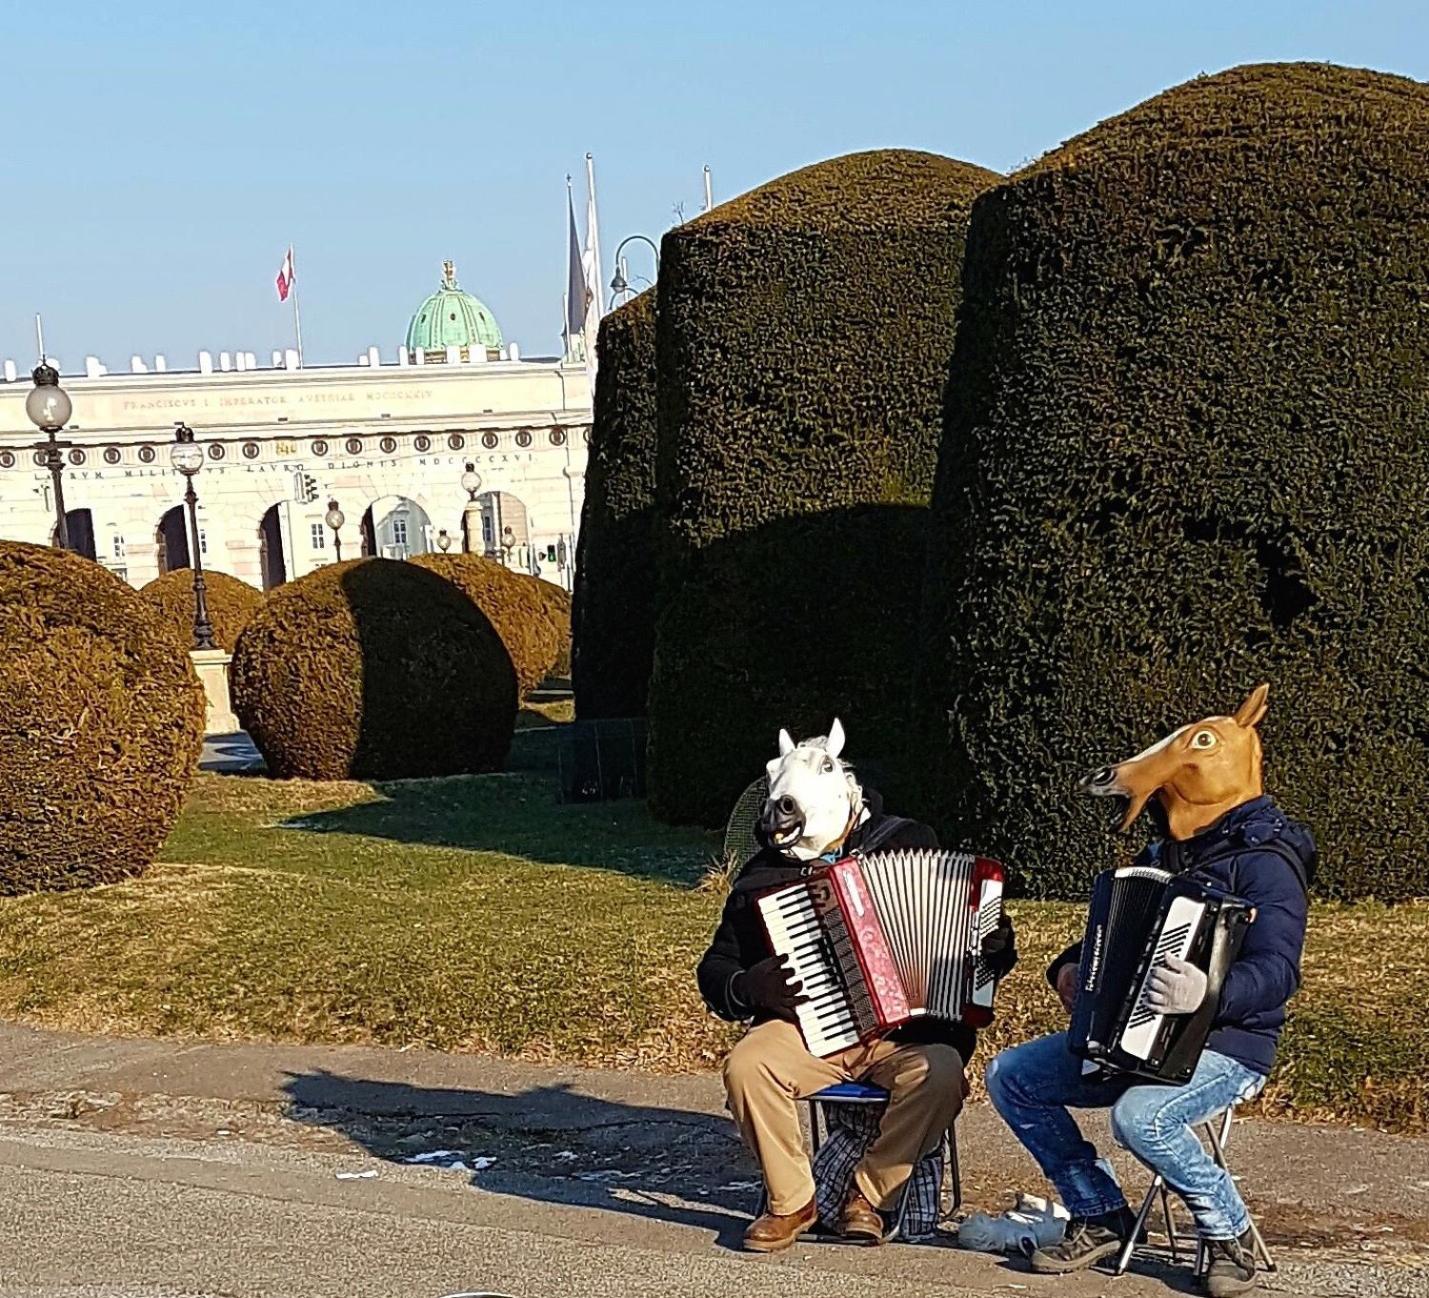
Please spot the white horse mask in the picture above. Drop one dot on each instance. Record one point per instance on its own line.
(814, 800)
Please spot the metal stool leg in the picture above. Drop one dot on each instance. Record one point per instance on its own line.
(953, 1167)
(1123, 1259)
(1171, 1236)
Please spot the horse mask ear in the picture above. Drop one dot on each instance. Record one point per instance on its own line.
(1250, 713)
(786, 743)
(836, 738)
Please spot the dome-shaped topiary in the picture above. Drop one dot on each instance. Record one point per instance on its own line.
(555, 605)
(373, 669)
(615, 596)
(101, 722)
(803, 337)
(511, 603)
(230, 604)
(1187, 449)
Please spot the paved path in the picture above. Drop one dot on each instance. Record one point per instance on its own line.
(162, 1169)
(234, 754)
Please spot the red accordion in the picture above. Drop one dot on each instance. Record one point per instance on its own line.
(881, 939)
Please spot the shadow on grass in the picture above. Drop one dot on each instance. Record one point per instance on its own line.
(518, 814)
(548, 1144)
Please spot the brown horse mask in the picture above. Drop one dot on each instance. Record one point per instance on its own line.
(1197, 773)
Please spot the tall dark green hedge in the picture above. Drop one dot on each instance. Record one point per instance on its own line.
(1187, 450)
(374, 669)
(613, 613)
(803, 339)
(101, 722)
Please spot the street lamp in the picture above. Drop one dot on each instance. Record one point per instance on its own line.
(335, 518)
(620, 284)
(48, 407)
(186, 456)
(444, 540)
(471, 513)
(508, 543)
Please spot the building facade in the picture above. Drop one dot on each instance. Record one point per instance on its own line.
(389, 443)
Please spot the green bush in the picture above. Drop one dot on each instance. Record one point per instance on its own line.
(804, 334)
(554, 605)
(1187, 449)
(101, 722)
(230, 604)
(513, 605)
(374, 669)
(614, 607)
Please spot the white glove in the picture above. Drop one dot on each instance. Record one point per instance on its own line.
(1175, 987)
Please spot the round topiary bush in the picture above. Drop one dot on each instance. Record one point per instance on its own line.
(101, 722)
(513, 605)
(554, 604)
(803, 338)
(230, 604)
(614, 606)
(1187, 450)
(373, 669)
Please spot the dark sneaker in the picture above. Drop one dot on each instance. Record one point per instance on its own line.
(1232, 1268)
(1088, 1240)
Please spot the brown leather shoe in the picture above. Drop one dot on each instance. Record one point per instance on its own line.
(776, 1231)
(860, 1221)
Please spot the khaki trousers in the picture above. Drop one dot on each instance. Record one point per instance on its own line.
(770, 1070)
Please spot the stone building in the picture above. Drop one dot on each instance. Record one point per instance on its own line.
(387, 438)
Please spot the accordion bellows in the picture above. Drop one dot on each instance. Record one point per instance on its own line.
(881, 939)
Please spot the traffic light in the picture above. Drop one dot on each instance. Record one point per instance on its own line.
(305, 488)
(551, 553)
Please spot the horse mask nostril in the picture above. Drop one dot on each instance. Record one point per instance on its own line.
(1099, 779)
(787, 806)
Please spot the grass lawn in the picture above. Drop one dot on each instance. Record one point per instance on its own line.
(479, 914)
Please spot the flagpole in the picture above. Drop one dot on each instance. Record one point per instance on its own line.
(593, 235)
(297, 317)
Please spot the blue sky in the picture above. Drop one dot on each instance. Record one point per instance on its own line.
(161, 156)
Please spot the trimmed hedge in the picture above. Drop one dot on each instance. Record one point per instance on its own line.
(230, 604)
(514, 606)
(614, 606)
(373, 669)
(1187, 450)
(803, 339)
(100, 727)
(554, 605)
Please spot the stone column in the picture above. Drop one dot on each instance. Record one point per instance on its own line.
(212, 668)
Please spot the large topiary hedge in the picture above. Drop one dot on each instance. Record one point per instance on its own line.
(804, 334)
(1187, 450)
(230, 604)
(514, 606)
(101, 722)
(373, 669)
(554, 604)
(614, 606)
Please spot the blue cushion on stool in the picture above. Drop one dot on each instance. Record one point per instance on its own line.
(851, 1093)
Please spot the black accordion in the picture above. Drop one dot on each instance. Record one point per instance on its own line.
(1139, 916)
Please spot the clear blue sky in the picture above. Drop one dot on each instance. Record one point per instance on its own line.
(155, 176)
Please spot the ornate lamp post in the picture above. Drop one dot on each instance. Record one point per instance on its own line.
(470, 514)
(335, 518)
(186, 456)
(619, 284)
(508, 543)
(444, 540)
(48, 407)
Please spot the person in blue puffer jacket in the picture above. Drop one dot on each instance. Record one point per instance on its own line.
(1203, 786)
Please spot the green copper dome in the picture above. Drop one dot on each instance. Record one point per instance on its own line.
(452, 318)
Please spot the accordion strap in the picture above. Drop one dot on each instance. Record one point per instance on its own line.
(881, 833)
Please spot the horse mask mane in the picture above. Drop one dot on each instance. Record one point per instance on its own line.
(814, 799)
(1196, 773)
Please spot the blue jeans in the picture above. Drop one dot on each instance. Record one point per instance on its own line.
(1033, 1085)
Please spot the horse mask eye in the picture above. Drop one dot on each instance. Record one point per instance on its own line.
(1204, 739)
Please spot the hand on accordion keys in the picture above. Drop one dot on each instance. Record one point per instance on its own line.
(1175, 987)
(768, 985)
(999, 948)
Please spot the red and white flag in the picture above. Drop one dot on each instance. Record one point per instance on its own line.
(285, 277)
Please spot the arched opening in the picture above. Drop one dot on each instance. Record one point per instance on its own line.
(506, 530)
(272, 560)
(396, 528)
(79, 524)
(172, 539)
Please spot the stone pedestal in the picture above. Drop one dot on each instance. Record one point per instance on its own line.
(212, 668)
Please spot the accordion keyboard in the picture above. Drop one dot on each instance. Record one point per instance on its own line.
(1183, 919)
(828, 1020)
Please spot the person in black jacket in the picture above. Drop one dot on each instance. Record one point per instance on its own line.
(817, 812)
(1202, 785)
